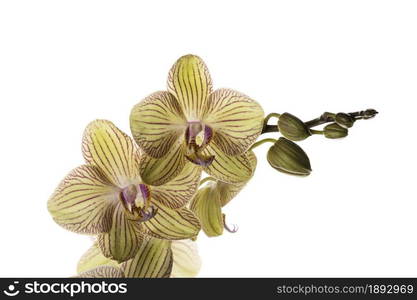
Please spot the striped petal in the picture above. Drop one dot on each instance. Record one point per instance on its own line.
(179, 191)
(228, 191)
(156, 123)
(190, 82)
(102, 272)
(156, 171)
(207, 207)
(111, 150)
(122, 241)
(83, 201)
(93, 258)
(172, 224)
(230, 169)
(236, 120)
(153, 260)
(187, 261)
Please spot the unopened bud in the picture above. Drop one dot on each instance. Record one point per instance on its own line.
(335, 131)
(287, 157)
(344, 120)
(292, 127)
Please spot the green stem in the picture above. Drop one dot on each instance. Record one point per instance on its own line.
(258, 143)
(316, 131)
(324, 118)
(206, 179)
(266, 120)
(271, 115)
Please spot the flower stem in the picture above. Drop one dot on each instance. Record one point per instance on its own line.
(316, 131)
(266, 120)
(258, 143)
(323, 119)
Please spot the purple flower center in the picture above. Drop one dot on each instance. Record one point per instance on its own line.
(194, 149)
(136, 200)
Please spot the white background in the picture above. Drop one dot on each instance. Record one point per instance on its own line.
(65, 63)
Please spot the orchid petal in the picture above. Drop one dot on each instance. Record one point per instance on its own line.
(83, 201)
(187, 261)
(158, 171)
(230, 169)
(228, 191)
(102, 272)
(179, 191)
(111, 150)
(93, 258)
(236, 120)
(156, 123)
(190, 82)
(152, 260)
(121, 242)
(172, 224)
(206, 205)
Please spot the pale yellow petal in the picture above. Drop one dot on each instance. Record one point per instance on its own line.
(172, 224)
(153, 260)
(102, 272)
(187, 261)
(179, 191)
(124, 238)
(236, 120)
(156, 123)
(112, 151)
(94, 258)
(190, 82)
(230, 169)
(158, 171)
(228, 191)
(83, 201)
(207, 207)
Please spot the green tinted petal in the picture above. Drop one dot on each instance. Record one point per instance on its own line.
(93, 258)
(190, 82)
(153, 260)
(230, 169)
(228, 191)
(158, 171)
(156, 123)
(236, 120)
(206, 205)
(179, 191)
(83, 200)
(102, 272)
(172, 224)
(112, 151)
(123, 239)
(187, 261)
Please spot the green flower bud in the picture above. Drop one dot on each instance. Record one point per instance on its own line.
(344, 120)
(292, 127)
(287, 157)
(335, 131)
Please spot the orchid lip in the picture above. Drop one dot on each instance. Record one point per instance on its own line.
(194, 149)
(136, 200)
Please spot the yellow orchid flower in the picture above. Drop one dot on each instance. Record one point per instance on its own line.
(209, 200)
(191, 122)
(155, 258)
(107, 196)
